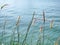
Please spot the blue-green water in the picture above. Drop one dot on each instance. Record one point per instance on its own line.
(25, 9)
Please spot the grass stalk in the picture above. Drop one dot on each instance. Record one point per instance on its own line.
(28, 29)
(43, 25)
(17, 26)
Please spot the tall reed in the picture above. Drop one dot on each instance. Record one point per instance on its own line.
(17, 26)
(28, 29)
(12, 41)
(43, 25)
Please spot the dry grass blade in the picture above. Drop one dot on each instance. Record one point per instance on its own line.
(18, 19)
(51, 23)
(28, 29)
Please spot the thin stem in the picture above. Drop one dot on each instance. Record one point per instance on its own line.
(43, 25)
(28, 29)
(17, 24)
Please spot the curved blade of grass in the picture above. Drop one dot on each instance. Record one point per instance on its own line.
(4, 6)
